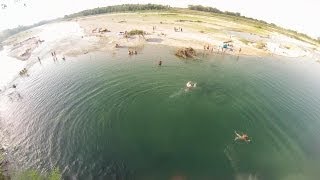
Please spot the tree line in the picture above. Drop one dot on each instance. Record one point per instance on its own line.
(212, 9)
(118, 8)
(100, 10)
(9, 32)
(288, 32)
(143, 7)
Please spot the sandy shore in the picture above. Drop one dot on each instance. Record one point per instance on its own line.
(81, 35)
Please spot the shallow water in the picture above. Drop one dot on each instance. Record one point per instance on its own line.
(104, 116)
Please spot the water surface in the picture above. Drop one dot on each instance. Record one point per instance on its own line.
(103, 116)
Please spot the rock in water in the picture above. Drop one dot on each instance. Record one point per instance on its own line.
(186, 52)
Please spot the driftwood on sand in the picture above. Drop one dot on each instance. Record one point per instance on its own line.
(186, 52)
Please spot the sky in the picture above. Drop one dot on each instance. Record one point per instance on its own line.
(299, 15)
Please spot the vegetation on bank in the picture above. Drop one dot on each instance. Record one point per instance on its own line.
(100, 10)
(2, 176)
(261, 26)
(211, 9)
(118, 8)
(55, 174)
(136, 32)
(186, 53)
(261, 45)
(245, 41)
(9, 32)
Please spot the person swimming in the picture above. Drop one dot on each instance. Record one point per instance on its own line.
(243, 137)
(190, 84)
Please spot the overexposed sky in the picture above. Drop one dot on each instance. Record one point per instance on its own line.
(300, 15)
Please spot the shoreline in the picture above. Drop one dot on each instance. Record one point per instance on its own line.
(101, 33)
(77, 38)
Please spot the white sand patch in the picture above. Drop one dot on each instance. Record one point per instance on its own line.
(9, 68)
(59, 31)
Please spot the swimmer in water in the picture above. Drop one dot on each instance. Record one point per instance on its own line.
(243, 137)
(190, 84)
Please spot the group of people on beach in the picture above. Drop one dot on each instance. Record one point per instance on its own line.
(132, 52)
(54, 56)
(222, 49)
(154, 28)
(179, 29)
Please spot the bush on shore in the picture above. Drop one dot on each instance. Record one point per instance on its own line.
(186, 52)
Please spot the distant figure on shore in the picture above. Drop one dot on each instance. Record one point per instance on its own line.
(239, 50)
(117, 45)
(63, 58)
(243, 137)
(39, 60)
(131, 52)
(53, 57)
(160, 63)
(135, 52)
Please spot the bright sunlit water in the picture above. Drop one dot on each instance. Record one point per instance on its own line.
(103, 116)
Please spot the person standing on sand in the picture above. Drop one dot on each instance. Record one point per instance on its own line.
(54, 59)
(39, 60)
(239, 50)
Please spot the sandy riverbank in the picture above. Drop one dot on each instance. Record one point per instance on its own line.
(81, 35)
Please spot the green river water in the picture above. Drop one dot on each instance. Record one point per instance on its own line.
(111, 116)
